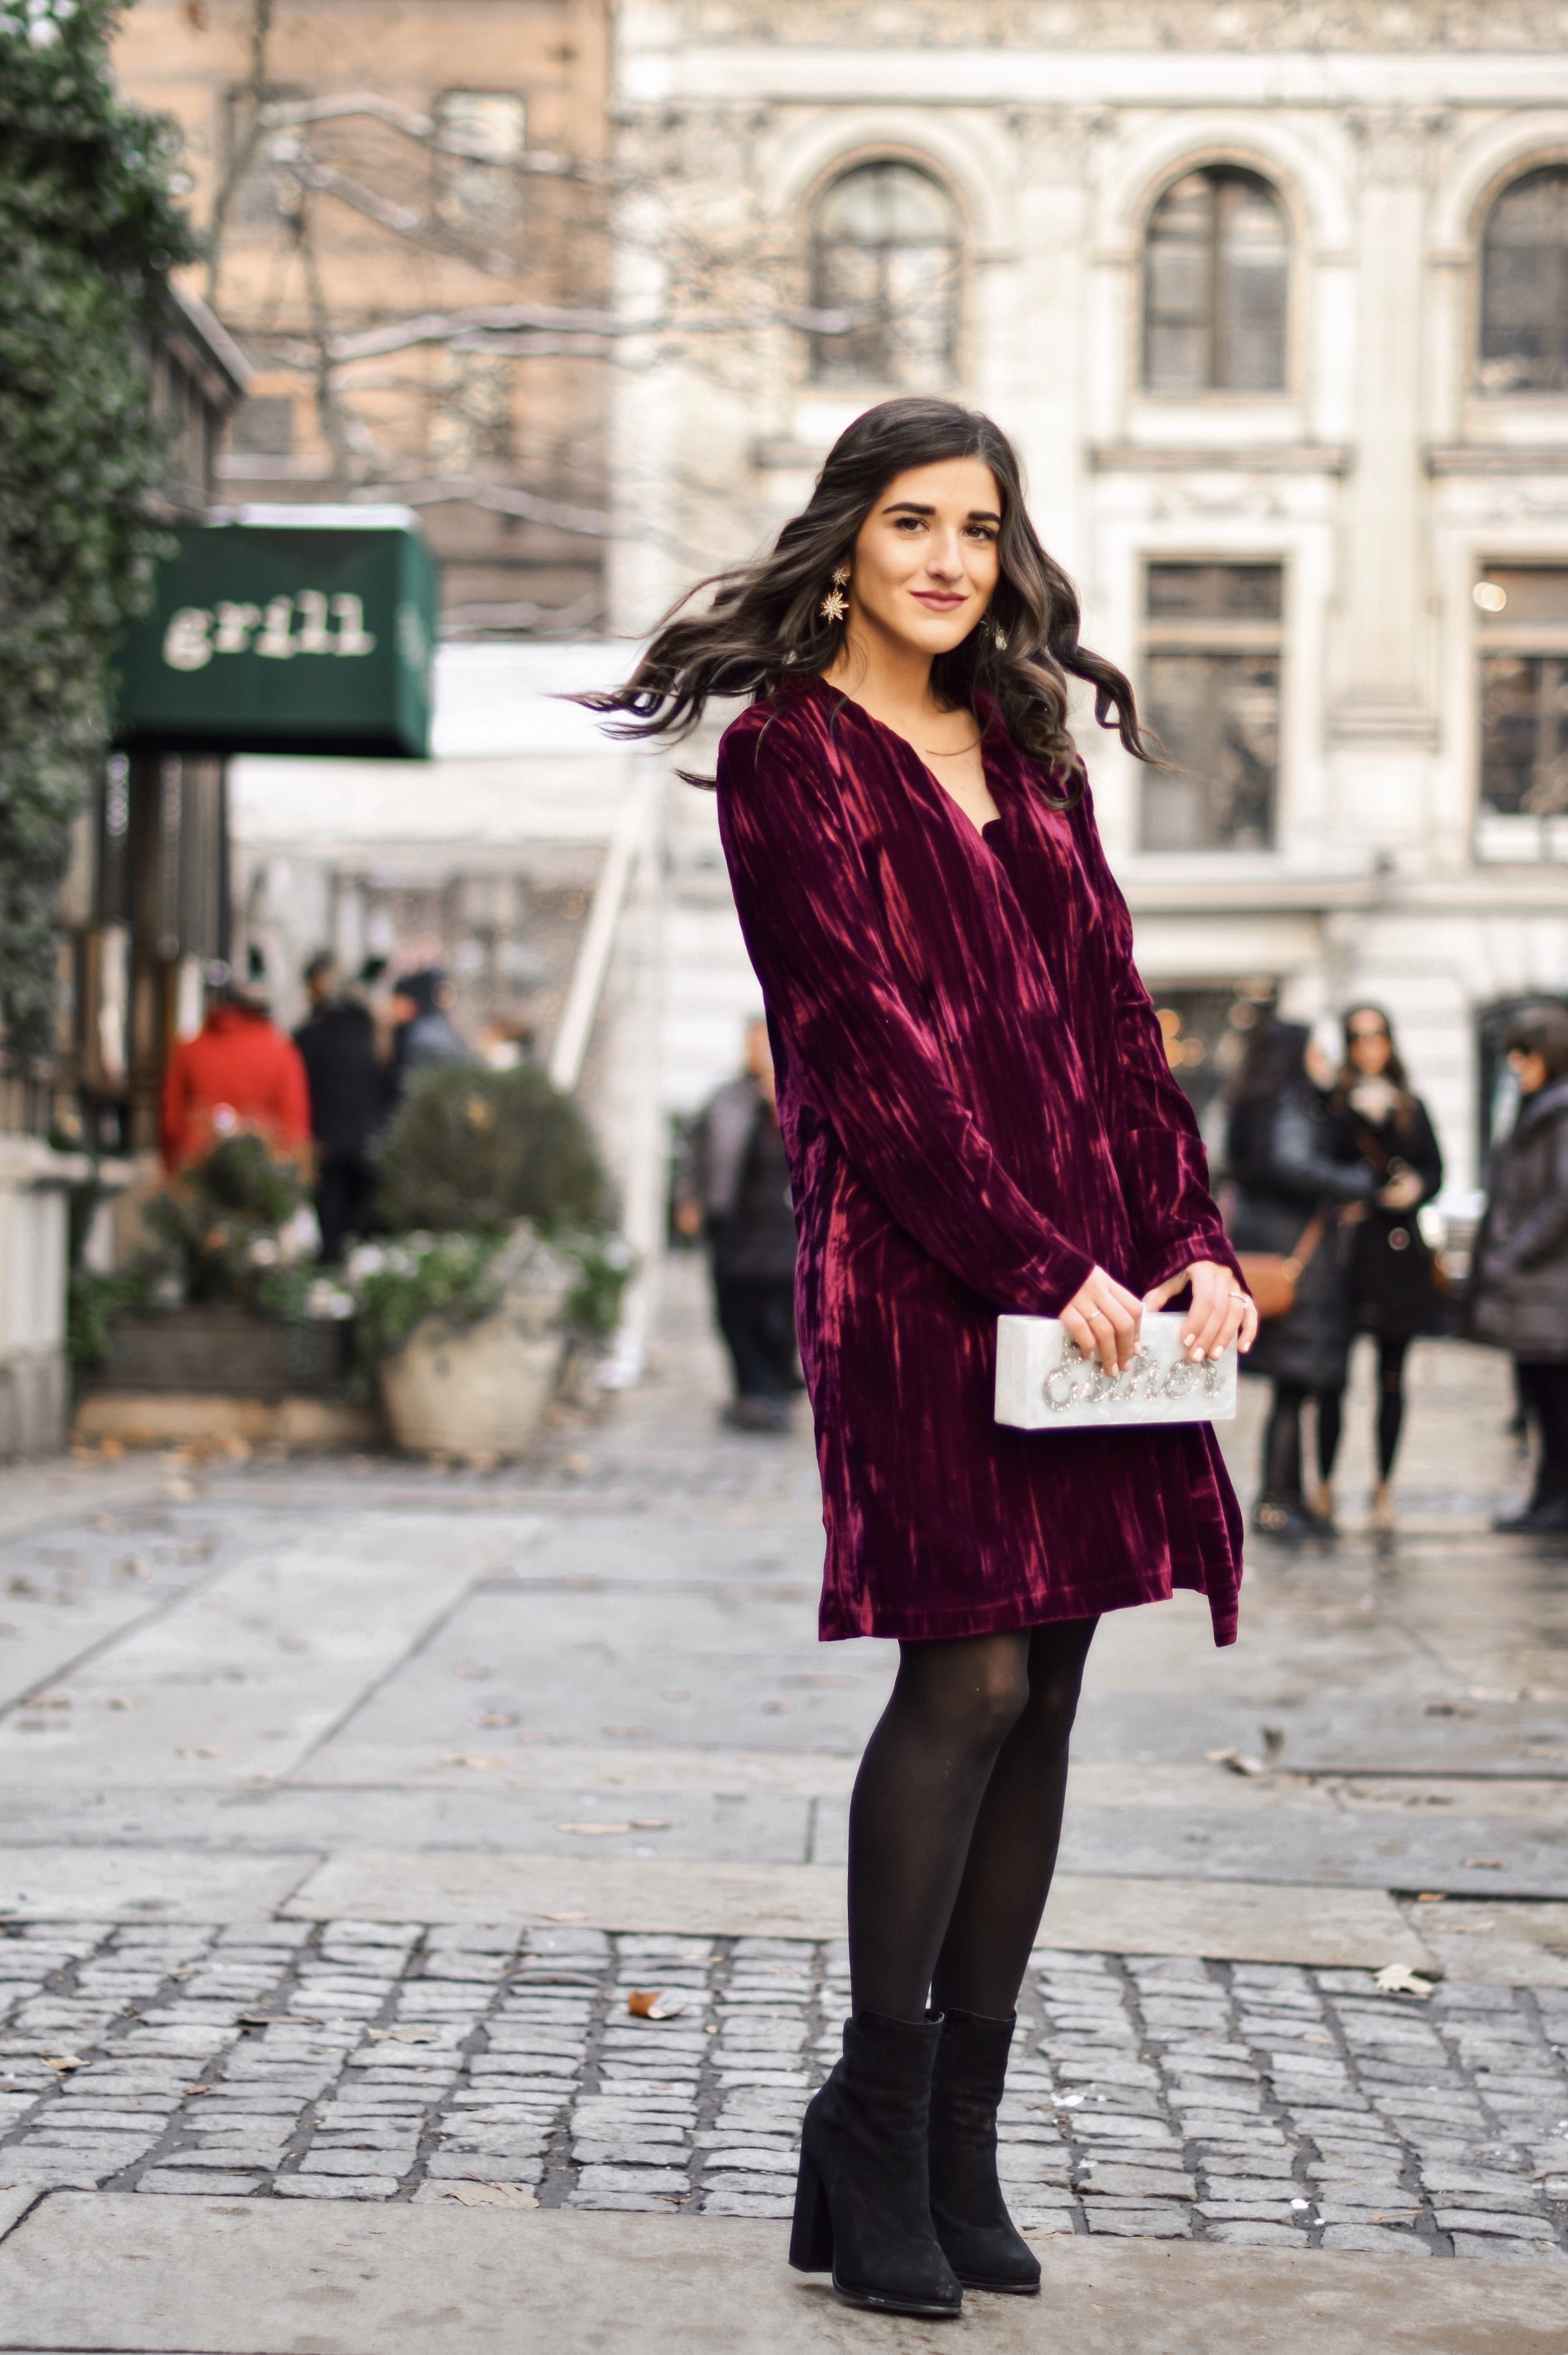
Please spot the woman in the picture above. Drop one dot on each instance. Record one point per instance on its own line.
(1520, 1293)
(979, 1117)
(1295, 1168)
(1393, 1287)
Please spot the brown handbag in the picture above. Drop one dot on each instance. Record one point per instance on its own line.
(1272, 1279)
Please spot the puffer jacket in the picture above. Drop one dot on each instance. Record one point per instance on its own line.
(1293, 1157)
(1519, 1294)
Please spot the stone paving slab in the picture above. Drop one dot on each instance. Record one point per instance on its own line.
(139, 2278)
(1265, 1922)
(1150, 2097)
(144, 1884)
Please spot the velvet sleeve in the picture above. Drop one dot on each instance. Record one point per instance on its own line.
(1159, 1152)
(814, 933)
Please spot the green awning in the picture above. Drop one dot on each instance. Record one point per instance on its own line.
(312, 630)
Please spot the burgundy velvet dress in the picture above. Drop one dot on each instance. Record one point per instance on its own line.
(976, 1105)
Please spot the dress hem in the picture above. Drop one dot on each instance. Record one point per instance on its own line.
(1017, 1614)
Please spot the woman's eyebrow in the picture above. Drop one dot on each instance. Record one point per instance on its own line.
(913, 507)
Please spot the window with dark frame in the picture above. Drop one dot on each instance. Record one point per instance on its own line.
(885, 254)
(1522, 613)
(1216, 276)
(1214, 640)
(1524, 286)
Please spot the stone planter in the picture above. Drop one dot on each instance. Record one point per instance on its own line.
(213, 1375)
(223, 1351)
(480, 1391)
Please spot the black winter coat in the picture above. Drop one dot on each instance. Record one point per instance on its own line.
(1393, 1287)
(348, 1089)
(1291, 1156)
(1519, 1298)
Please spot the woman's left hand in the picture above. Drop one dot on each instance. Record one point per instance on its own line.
(1221, 1311)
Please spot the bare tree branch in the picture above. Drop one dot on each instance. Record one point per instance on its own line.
(283, 112)
(244, 151)
(591, 523)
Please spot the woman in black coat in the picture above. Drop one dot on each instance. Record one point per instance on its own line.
(1393, 1284)
(1294, 1168)
(1520, 1293)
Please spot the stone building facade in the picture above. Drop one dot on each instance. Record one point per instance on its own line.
(1273, 297)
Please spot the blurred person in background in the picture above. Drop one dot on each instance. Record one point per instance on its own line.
(1518, 1299)
(348, 1101)
(1394, 1282)
(422, 1030)
(1294, 1168)
(238, 1072)
(734, 1188)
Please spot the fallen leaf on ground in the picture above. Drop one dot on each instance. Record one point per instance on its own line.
(497, 1716)
(179, 1492)
(197, 1750)
(62, 2061)
(402, 2036)
(1483, 1864)
(1236, 1762)
(488, 2195)
(648, 2003)
(593, 1831)
(1430, 1897)
(650, 1822)
(470, 1668)
(1398, 1978)
(134, 1566)
(118, 1700)
(466, 1758)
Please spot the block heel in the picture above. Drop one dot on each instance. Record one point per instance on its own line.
(811, 2235)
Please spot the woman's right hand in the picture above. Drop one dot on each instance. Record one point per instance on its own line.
(1104, 1319)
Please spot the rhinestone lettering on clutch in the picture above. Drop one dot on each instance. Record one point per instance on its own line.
(1083, 1381)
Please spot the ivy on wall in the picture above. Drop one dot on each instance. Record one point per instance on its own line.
(88, 231)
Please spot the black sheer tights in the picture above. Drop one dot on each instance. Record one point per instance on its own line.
(955, 1818)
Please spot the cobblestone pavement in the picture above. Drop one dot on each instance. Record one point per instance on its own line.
(1234, 2102)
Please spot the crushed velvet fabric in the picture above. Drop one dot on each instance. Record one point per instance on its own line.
(976, 1105)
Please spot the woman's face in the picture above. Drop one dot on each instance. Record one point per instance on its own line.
(925, 561)
(1369, 1044)
(1530, 1070)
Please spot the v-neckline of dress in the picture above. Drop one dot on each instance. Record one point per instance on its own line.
(981, 833)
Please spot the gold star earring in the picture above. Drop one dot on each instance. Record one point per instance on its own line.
(834, 605)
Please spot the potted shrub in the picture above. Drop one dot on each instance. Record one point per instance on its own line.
(227, 1299)
(501, 1262)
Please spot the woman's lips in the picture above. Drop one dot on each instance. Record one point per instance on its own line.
(938, 602)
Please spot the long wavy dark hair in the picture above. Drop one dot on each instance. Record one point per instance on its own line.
(763, 626)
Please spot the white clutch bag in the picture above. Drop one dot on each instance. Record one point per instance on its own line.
(1044, 1383)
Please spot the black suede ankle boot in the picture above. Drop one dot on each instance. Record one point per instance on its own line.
(862, 2206)
(982, 2243)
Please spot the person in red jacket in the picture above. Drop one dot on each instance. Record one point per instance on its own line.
(238, 1072)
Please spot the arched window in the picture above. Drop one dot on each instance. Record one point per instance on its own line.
(1524, 286)
(1215, 271)
(884, 266)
